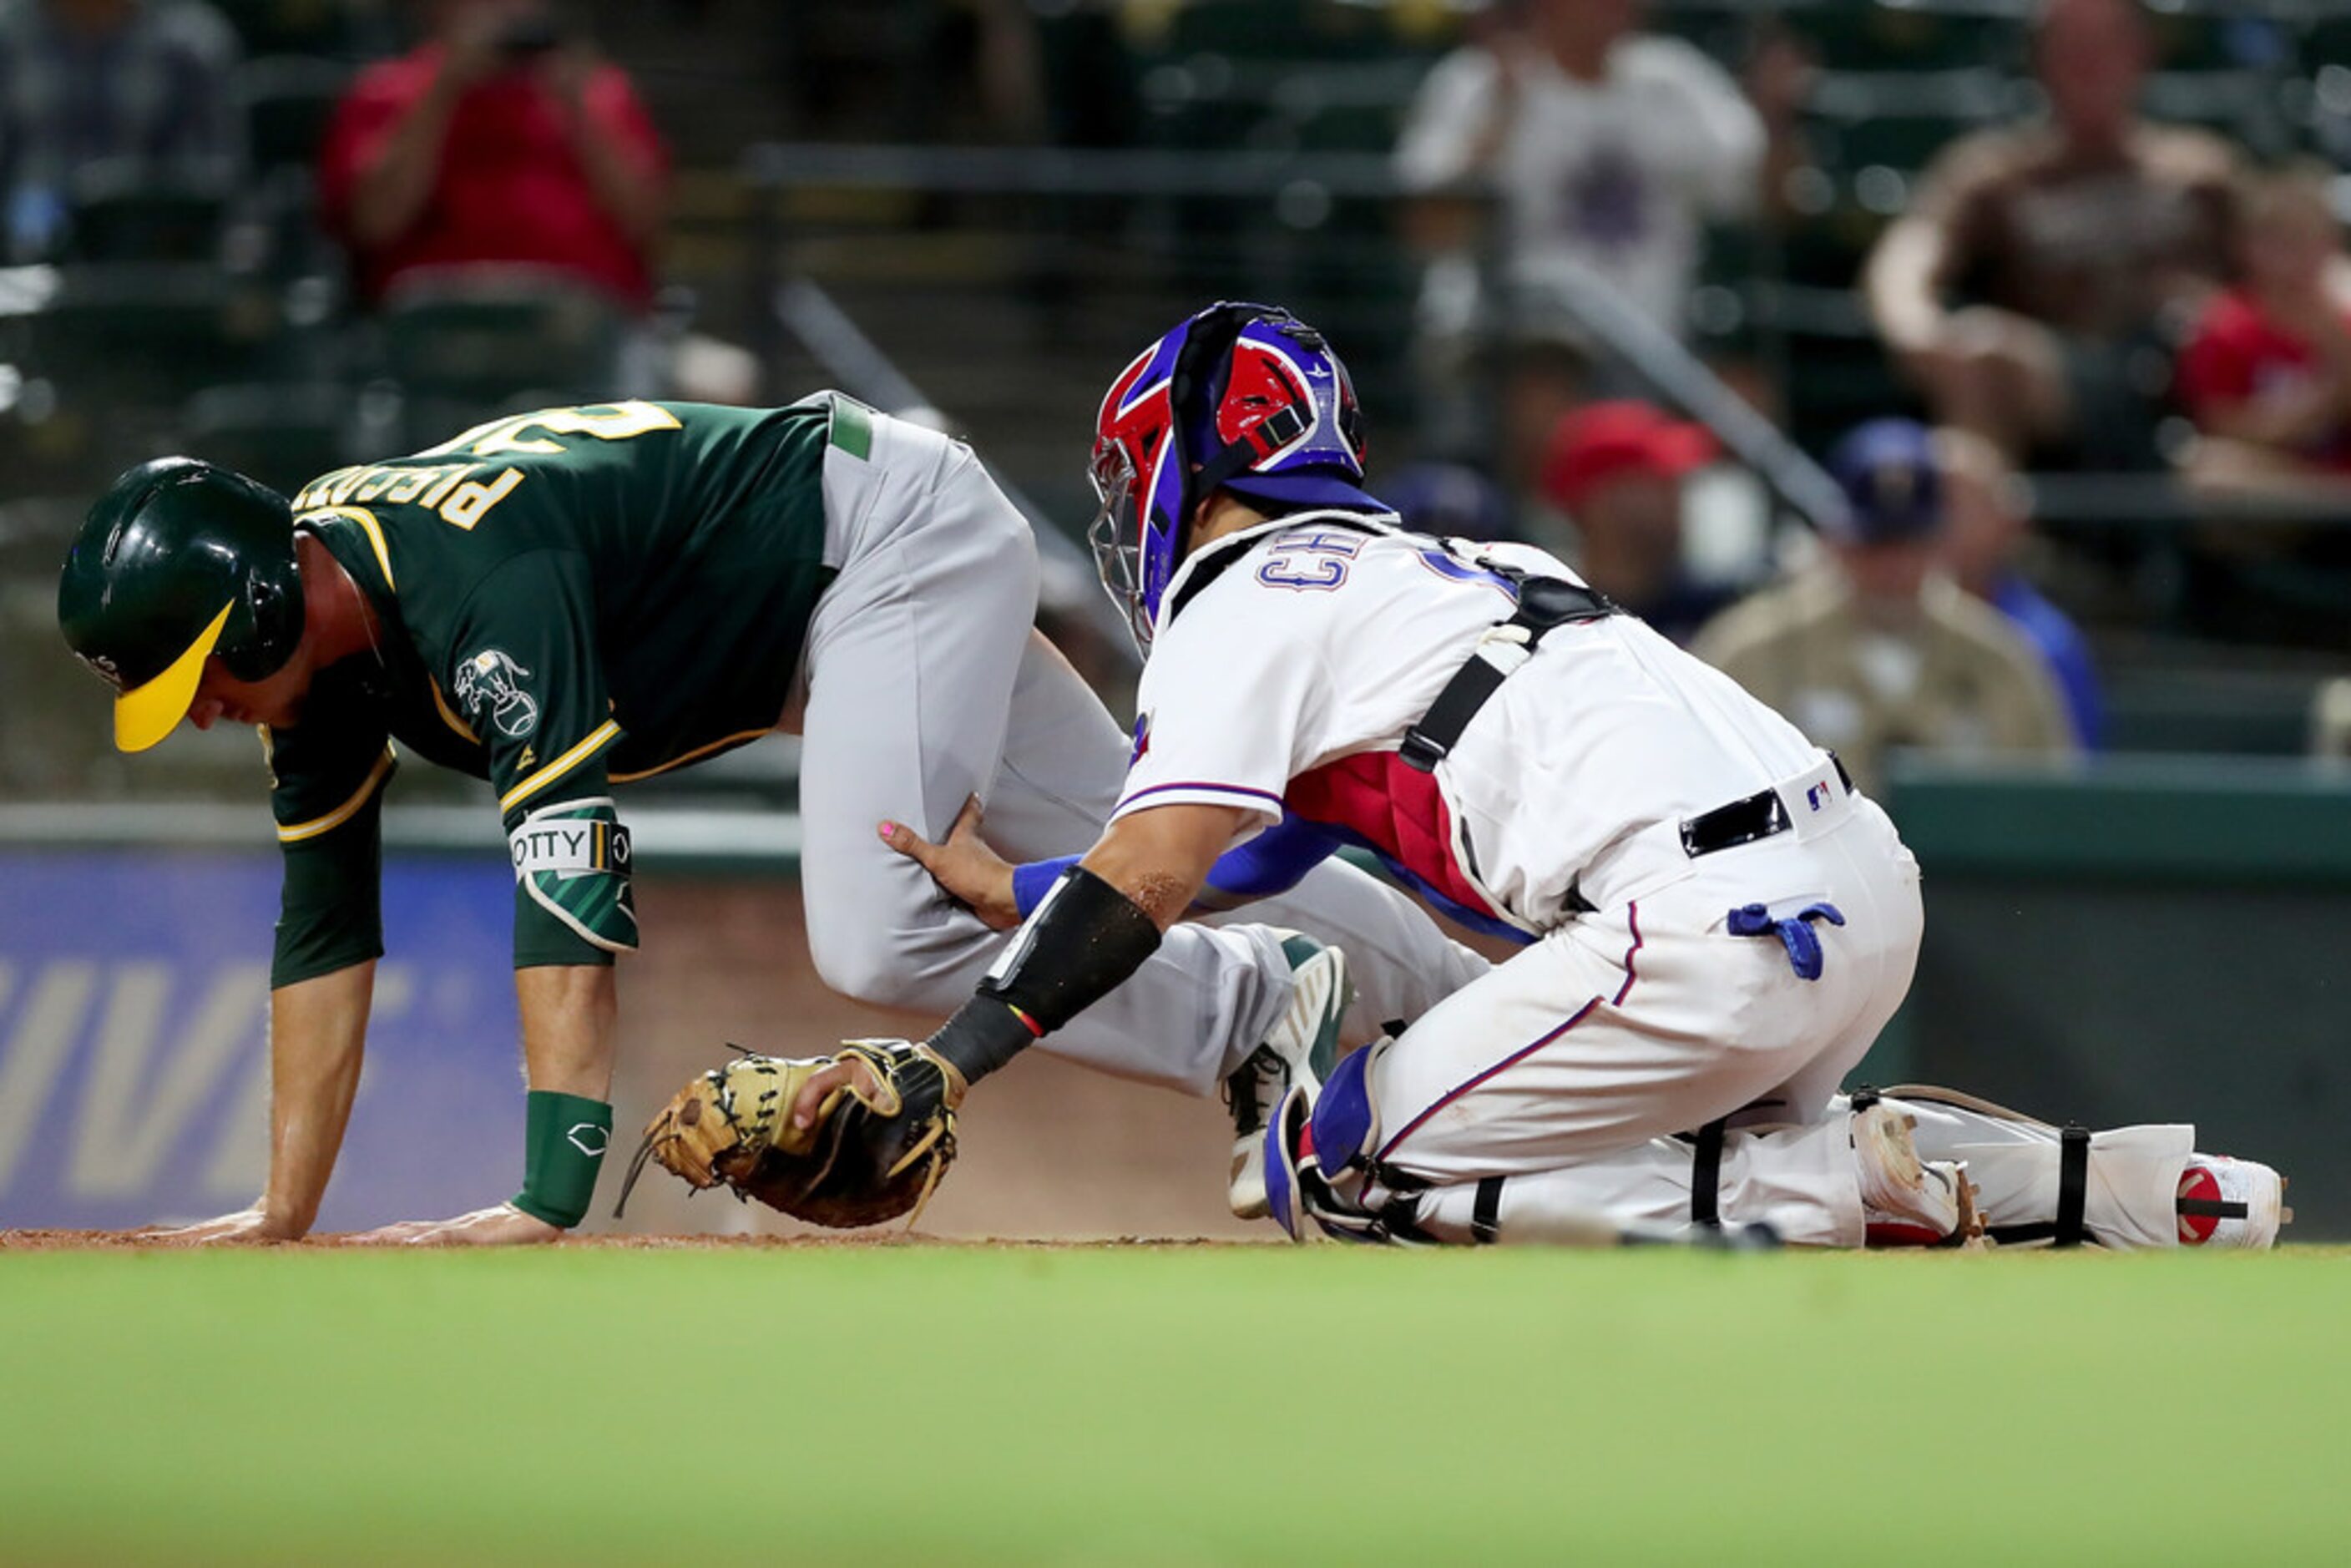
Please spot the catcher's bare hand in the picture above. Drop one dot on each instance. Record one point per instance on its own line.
(850, 1072)
(970, 872)
(504, 1225)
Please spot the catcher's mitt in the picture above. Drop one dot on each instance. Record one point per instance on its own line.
(876, 1151)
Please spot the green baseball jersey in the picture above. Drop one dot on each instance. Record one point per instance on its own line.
(564, 601)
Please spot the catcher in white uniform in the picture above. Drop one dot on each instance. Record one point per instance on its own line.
(1716, 924)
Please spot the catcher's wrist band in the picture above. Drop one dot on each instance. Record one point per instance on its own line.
(1032, 882)
(565, 1136)
(1084, 939)
(985, 1033)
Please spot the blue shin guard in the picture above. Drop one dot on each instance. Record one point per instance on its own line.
(1310, 1146)
(1282, 1137)
(1346, 1124)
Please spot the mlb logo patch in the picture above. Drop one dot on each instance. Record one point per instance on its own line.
(1817, 796)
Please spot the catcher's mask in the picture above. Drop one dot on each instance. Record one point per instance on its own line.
(1241, 397)
(180, 561)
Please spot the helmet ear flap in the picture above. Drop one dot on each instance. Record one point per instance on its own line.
(268, 625)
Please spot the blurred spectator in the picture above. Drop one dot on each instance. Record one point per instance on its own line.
(1008, 58)
(2330, 720)
(2032, 286)
(82, 82)
(1988, 512)
(1616, 469)
(1450, 500)
(1875, 650)
(1611, 148)
(2268, 373)
(499, 140)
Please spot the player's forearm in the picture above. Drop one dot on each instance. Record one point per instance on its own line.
(628, 190)
(2286, 422)
(1441, 224)
(1160, 859)
(318, 1035)
(394, 187)
(2330, 342)
(1098, 925)
(1901, 284)
(567, 1017)
(567, 1013)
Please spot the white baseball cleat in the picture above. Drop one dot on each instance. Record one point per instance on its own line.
(1906, 1201)
(1301, 1050)
(2225, 1202)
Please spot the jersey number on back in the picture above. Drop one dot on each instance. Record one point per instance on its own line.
(470, 503)
(606, 422)
(1314, 563)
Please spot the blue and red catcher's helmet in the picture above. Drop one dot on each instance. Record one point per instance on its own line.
(1245, 398)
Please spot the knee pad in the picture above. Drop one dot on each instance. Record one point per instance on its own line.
(1346, 1124)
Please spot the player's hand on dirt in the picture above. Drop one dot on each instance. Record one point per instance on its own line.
(504, 1225)
(247, 1224)
(972, 874)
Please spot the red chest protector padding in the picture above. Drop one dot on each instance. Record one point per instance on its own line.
(1394, 809)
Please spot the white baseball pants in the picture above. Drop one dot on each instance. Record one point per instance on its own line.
(1569, 1069)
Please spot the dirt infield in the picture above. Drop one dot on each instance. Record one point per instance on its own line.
(133, 1242)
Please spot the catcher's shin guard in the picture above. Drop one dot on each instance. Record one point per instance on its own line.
(1346, 1122)
(2142, 1187)
(1318, 1162)
(1305, 1205)
(1286, 1165)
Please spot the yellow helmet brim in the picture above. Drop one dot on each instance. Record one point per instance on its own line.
(146, 713)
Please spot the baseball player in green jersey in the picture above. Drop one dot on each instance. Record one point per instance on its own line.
(567, 600)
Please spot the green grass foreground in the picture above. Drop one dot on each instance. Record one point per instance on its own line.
(1172, 1406)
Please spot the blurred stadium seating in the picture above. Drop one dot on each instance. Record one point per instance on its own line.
(216, 317)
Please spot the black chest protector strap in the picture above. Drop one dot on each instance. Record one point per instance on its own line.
(1545, 603)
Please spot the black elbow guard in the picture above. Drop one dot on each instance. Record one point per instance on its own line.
(1084, 939)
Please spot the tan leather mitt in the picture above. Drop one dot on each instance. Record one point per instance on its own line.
(875, 1151)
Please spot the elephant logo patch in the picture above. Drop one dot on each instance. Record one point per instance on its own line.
(489, 684)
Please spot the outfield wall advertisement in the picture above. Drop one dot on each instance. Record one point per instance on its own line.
(134, 1072)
